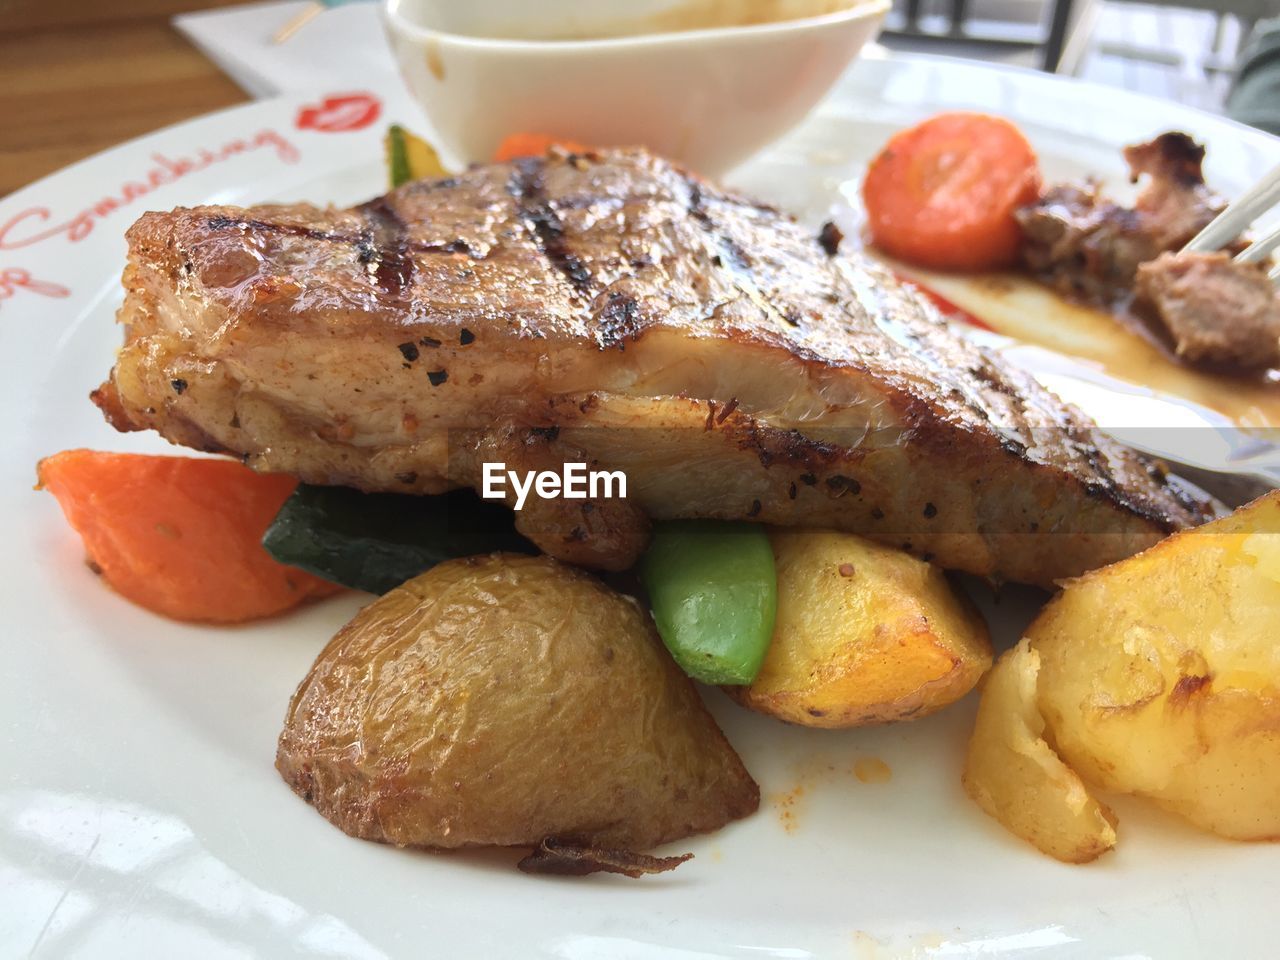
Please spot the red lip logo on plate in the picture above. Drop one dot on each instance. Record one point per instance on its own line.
(339, 114)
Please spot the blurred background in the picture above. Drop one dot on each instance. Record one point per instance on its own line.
(1186, 52)
(77, 76)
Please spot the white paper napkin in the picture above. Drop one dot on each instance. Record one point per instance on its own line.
(342, 48)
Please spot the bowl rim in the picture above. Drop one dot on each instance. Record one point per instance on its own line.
(859, 10)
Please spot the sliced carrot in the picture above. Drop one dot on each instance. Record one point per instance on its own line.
(533, 145)
(942, 194)
(180, 536)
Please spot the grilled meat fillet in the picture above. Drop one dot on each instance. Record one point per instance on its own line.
(612, 309)
(1090, 247)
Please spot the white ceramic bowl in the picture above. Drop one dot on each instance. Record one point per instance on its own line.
(709, 96)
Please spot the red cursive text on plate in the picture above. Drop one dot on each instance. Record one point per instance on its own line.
(32, 226)
(15, 278)
(338, 114)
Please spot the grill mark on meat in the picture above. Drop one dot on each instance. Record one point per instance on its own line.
(292, 229)
(731, 255)
(1018, 408)
(1183, 494)
(618, 321)
(393, 267)
(539, 217)
(983, 373)
(365, 253)
(1102, 484)
(427, 186)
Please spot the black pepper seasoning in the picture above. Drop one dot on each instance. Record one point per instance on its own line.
(829, 238)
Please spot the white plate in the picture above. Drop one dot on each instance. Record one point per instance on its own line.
(139, 810)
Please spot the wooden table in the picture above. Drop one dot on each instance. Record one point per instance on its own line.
(78, 76)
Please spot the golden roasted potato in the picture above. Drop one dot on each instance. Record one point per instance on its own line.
(502, 700)
(864, 634)
(1015, 776)
(1160, 675)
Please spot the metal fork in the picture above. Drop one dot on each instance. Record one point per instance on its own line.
(1234, 220)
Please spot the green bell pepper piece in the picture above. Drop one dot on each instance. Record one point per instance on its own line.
(713, 589)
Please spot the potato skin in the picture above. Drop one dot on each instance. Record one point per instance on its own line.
(864, 634)
(501, 700)
(1160, 675)
(1014, 775)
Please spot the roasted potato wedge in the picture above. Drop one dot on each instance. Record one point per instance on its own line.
(1160, 675)
(864, 634)
(502, 700)
(1015, 776)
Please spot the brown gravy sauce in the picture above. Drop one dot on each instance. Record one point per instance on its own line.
(872, 770)
(1121, 347)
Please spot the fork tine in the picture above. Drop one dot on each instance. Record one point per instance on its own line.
(1231, 222)
(1260, 249)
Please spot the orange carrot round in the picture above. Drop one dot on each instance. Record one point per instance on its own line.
(532, 145)
(942, 193)
(180, 536)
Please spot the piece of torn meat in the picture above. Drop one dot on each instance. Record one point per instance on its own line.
(1090, 247)
(566, 859)
(1215, 310)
